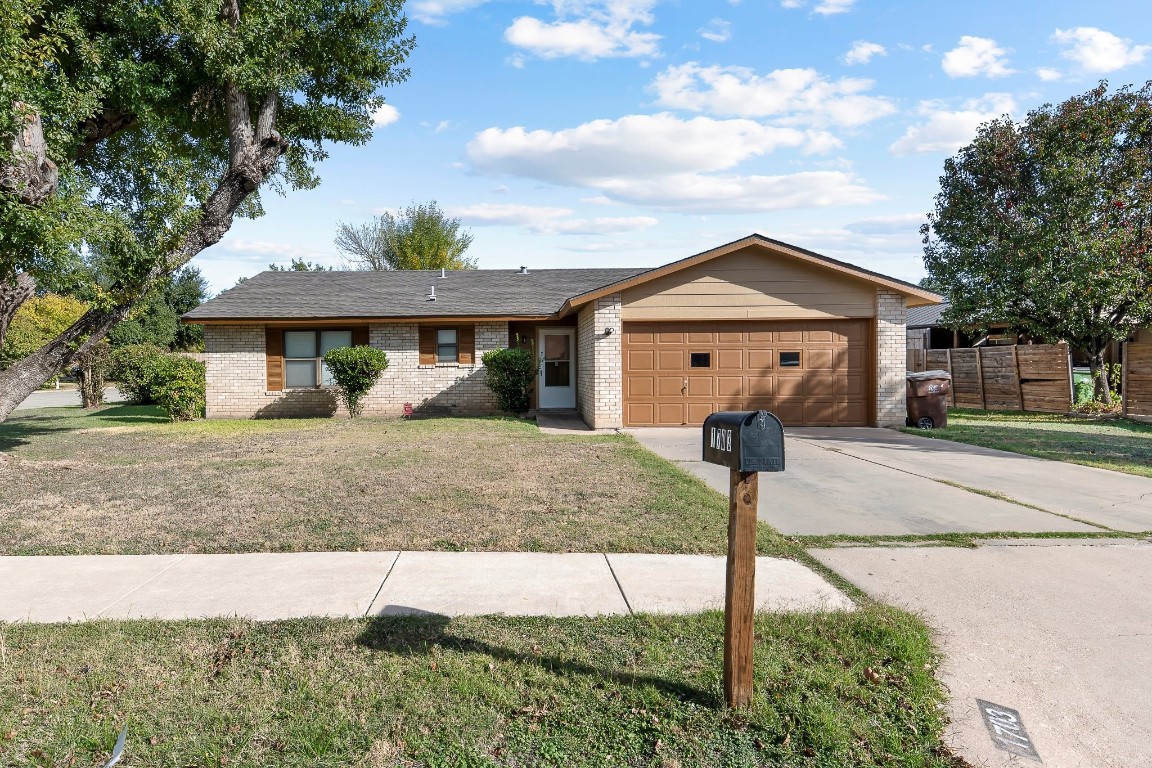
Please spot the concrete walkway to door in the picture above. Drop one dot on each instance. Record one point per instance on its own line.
(864, 482)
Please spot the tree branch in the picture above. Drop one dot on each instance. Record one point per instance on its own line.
(30, 176)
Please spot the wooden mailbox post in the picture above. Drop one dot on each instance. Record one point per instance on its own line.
(747, 442)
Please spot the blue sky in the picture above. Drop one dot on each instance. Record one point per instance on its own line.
(635, 132)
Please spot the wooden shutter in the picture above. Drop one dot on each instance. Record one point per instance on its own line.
(360, 336)
(466, 345)
(427, 345)
(274, 358)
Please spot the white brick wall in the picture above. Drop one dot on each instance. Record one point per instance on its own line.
(237, 387)
(891, 358)
(599, 387)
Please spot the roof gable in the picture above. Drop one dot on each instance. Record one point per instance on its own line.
(914, 294)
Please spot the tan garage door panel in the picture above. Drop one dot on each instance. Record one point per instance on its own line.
(809, 373)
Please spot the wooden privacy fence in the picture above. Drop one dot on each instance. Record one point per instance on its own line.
(1137, 382)
(1020, 377)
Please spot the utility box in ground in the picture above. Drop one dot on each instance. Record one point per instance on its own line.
(927, 394)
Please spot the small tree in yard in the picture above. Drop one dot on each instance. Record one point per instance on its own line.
(1046, 224)
(510, 375)
(92, 366)
(355, 370)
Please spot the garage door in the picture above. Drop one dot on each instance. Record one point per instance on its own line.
(809, 373)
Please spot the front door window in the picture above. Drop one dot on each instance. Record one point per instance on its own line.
(556, 386)
(557, 360)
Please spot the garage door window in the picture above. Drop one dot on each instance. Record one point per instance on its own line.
(789, 359)
(701, 359)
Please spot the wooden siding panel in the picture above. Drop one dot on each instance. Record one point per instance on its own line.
(750, 284)
(1138, 382)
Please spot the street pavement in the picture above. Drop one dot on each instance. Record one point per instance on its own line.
(1056, 630)
(867, 482)
(60, 398)
(269, 586)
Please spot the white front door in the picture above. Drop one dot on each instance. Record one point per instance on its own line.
(556, 381)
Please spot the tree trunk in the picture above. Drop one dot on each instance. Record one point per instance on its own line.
(1101, 389)
(31, 176)
(13, 294)
(26, 376)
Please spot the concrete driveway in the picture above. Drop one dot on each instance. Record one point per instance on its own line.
(876, 481)
(1052, 632)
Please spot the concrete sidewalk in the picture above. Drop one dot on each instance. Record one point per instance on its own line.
(349, 584)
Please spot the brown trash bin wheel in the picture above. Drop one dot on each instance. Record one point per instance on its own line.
(925, 423)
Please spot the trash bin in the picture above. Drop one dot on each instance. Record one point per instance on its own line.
(928, 399)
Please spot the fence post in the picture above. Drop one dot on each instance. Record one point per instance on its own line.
(952, 388)
(1071, 380)
(1019, 381)
(980, 377)
(1124, 381)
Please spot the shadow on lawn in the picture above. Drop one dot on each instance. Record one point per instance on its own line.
(410, 632)
(17, 430)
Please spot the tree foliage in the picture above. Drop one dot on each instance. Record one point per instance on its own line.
(1046, 224)
(157, 319)
(38, 321)
(299, 265)
(156, 123)
(355, 370)
(420, 237)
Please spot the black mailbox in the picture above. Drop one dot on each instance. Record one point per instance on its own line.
(746, 441)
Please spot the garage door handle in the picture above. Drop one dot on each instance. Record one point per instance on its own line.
(684, 387)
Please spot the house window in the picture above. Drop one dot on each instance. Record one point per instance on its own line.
(446, 345)
(789, 359)
(303, 356)
(701, 360)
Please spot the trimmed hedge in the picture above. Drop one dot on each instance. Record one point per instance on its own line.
(355, 370)
(511, 373)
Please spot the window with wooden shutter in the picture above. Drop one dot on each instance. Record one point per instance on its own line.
(427, 345)
(274, 358)
(360, 336)
(466, 345)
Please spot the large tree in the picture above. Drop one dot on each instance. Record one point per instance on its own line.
(1046, 224)
(138, 129)
(420, 237)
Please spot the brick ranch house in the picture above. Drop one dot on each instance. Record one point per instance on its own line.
(752, 324)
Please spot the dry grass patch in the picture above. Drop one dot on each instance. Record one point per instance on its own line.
(94, 484)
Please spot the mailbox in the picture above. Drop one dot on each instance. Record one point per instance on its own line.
(746, 441)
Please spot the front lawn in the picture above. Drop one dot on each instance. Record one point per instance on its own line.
(1119, 444)
(122, 480)
(837, 689)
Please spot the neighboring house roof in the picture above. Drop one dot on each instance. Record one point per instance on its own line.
(927, 316)
(404, 293)
(478, 293)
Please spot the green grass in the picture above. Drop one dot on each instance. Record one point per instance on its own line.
(428, 691)
(124, 480)
(967, 540)
(1116, 444)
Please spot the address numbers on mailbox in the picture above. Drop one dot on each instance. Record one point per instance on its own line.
(746, 441)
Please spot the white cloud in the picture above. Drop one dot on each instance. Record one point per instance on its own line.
(666, 162)
(1098, 51)
(435, 11)
(1048, 74)
(830, 7)
(791, 95)
(863, 52)
(549, 220)
(947, 130)
(717, 31)
(386, 114)
(976, 56)
(901, 224)
(824, 7)
(588, 30)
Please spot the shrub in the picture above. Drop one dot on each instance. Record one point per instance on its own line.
(91, 368)
(133, 366)
(355, 370)
(511, 373)
(177, 385)
(1085, 392)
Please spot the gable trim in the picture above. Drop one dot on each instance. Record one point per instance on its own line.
(918, 295)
